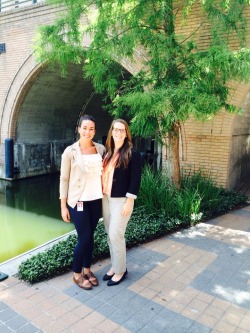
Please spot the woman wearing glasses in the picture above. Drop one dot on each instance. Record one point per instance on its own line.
(121, 180)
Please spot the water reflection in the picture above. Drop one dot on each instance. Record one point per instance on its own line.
(29, 214)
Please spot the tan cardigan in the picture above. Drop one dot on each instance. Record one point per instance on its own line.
(72, 178)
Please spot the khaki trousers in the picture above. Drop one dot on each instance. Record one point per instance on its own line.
(115, 225)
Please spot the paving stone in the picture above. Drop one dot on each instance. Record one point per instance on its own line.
(107, 309)
(7, 314)
(121, 316)
(136, 322)
(156, 324)
(122, 299)
(5, 329)
(28, 328)
(198, 328)
(94, 303)
(179, 325)
(16, 322)
(3, 306)
(138, 302)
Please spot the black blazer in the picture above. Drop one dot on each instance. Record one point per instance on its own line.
(127, 180)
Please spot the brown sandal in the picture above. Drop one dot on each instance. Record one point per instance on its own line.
(92, 279)
(83, 282)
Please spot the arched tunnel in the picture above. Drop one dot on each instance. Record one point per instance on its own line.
(47, 116)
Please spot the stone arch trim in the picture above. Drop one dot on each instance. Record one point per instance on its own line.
(240, 138)
(16, 93)
(241, 98)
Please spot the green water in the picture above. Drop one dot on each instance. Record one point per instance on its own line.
(29, 214)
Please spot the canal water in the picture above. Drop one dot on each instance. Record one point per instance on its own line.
(29, 214)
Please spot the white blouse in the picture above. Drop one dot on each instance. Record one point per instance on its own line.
(92, 165)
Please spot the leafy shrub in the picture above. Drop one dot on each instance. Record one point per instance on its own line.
(227, 201)
(197, 199)
(49, 263)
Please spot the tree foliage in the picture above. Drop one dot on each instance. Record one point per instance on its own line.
(178, 77)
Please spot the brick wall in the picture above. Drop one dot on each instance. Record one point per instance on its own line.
(219, 147)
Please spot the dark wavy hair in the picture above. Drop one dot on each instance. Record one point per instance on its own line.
(125, 151)
(86, 117)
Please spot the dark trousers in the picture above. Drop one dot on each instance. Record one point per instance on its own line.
(85, 223)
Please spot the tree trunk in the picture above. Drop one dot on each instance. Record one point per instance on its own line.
(174, 159)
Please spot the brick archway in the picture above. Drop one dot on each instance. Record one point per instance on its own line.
(26, 101)
(212, 145)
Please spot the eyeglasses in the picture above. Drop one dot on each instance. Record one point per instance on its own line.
(121, 130)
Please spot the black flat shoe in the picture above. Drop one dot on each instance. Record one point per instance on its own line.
(114, 283)
(107, 277)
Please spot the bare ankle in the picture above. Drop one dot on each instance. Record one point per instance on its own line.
(86, 270)
(77, 275)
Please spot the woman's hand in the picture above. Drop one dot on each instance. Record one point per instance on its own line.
(64, 210)
(65, 214)
(128, 207)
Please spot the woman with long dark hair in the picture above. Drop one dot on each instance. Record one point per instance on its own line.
(81, 196)
(121, 181)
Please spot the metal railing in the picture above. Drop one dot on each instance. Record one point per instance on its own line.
(6, 5)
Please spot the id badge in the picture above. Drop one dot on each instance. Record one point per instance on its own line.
(80, 206)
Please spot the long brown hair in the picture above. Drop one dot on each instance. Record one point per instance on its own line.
(125, 151)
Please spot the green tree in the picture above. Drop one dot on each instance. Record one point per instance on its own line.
(178, 77)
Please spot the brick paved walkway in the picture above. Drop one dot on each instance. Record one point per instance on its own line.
(194, 281)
